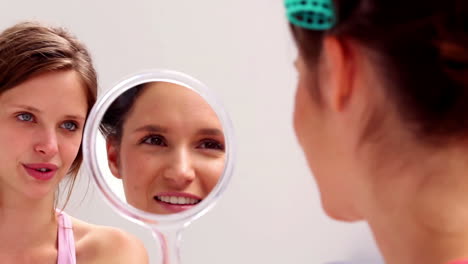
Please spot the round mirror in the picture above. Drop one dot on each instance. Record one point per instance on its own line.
(160, 148)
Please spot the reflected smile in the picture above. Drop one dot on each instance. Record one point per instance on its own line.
(176, 200)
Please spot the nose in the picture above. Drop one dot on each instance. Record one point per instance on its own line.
(46, 143)
(180, 172)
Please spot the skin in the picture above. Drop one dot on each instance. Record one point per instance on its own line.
(412, 195)
(40, 128)
(178, 149)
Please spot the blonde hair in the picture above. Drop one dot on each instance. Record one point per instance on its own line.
(28, 49)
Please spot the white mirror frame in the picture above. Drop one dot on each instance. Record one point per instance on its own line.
(90, 153)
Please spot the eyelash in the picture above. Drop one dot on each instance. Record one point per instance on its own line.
(33, 119)
(162, 142)
(218, 146)
(76, 127)
(152, 137)
(18, 116)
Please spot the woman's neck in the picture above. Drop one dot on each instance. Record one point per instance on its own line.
(26, 223)
(421, 215)
(404, 243)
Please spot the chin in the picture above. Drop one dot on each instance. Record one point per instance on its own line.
(39, 193)
(341, 213)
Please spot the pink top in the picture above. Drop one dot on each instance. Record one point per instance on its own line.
(66, 241)
(459, 262)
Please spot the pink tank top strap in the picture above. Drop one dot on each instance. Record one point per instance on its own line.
(66, 240)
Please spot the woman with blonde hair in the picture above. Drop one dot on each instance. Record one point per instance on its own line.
(47, 88)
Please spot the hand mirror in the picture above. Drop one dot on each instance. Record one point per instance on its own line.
(160, 148)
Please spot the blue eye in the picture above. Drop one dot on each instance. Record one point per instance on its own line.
(71, 126)
(26, 117)
(156, 140)
(211, 144)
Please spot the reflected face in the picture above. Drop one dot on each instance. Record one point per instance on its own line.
(42, 122)
(171, 153)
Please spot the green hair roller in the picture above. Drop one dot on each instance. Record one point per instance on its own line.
(310, 14)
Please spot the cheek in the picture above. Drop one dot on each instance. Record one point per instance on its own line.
(14, 137)
(138, 169)
(302, 111)
(69, 149)
(310, 127)
(13, 145)
(209, 173)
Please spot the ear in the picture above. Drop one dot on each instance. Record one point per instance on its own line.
(113, 157)
(337, 63)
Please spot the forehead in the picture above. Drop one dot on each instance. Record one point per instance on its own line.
(54, 92)
(172, 105)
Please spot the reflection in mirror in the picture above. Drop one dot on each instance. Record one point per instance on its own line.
(160, 148)
(165, 144)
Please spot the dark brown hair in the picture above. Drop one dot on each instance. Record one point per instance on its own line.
(29, 49)
(112, 122)
(422, 51)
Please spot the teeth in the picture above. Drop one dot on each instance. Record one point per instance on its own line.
(177, 200)
(43, 169)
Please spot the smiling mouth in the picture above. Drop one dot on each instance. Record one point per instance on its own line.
(176, 200)
(41, 171)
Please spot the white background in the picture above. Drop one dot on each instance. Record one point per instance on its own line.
(242, 50)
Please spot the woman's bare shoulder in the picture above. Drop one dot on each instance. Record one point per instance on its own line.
(102, 244)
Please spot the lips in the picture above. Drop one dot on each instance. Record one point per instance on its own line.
(176, 202)
(41, 171)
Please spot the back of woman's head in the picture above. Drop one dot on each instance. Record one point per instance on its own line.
(421, 49)
(29, 49)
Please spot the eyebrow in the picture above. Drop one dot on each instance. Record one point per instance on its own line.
(151, 128)
(75, 117)
(160, 129)
(27, 107)
(210, 131)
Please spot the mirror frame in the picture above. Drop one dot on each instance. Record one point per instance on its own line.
(90, 155)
